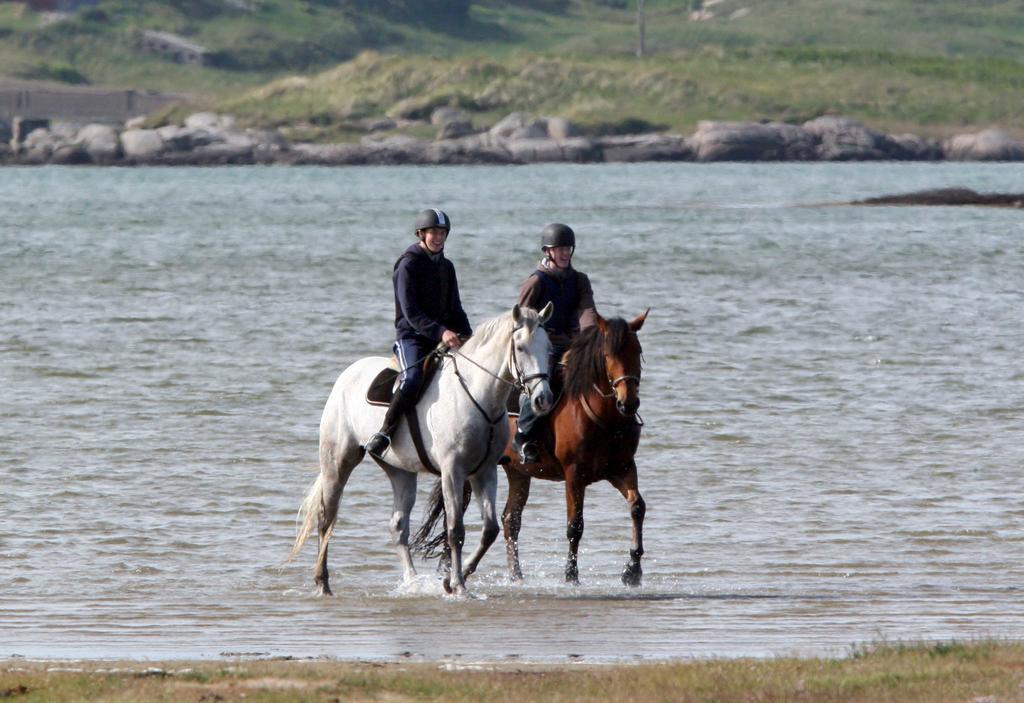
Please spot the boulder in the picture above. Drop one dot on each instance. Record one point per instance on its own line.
(917, 148)
(100, 142)
(443, 115)
(455, 129)
(474, 149)
(645, 147)
(188, 138)
(69, 154)
(752, 141)
(210, 121)
(560, 128)
(845, 139)
(518, 126)
(507, 124)
(988, 145)
(532, 150)
(21, 127)
(141, 144)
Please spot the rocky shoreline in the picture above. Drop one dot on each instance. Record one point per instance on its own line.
(207, 139)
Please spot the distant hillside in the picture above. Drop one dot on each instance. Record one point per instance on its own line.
(940, 64)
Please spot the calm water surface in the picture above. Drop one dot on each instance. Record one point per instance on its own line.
(833, 395)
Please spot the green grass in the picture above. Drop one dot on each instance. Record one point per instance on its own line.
(674, 92)
(933, 673)
(934, 67)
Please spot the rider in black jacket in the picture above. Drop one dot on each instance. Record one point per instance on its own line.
(428, 311)
(555, 281)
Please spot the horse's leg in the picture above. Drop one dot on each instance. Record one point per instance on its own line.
(512, 519)
(403, 488)
(574, 490)
(335, 468)
(627, 485)
(451, 487)
(485, 486)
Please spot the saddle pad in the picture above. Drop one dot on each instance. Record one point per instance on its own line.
(382, 388)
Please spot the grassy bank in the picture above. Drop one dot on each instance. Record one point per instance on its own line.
(932, 673)
(890, 91)
(935, 67)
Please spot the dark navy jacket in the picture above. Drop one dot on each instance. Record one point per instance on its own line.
(427, 298)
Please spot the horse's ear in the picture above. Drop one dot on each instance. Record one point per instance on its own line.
(602, 324)
(517, 314)
(636, 324)
(545, 314)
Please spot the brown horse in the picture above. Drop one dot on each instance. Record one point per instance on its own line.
(594, 430)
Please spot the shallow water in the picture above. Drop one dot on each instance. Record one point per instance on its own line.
(833, 398)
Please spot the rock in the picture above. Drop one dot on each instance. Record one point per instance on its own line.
(645, 147)
(510, 124)
(455, 129)
(210, 121)
(532, 150)
(917, 148)
(752, 141)
(378, 124)
(69, 154)
(187, 138)
(560, 128)
(21, 127)
(845, 139)
(475, 149)
(141, 144)
(535, 129)
(100, 142)
(135, 122)
(988, 145)
(443, 115)
(948, 196)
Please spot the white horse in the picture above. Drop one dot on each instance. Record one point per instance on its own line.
(462, 416)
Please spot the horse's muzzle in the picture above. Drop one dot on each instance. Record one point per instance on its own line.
(543, 399)
(628, 408)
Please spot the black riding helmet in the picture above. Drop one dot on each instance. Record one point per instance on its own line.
(432, 218)
(557, 235)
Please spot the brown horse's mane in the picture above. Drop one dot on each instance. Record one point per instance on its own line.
(585, 358)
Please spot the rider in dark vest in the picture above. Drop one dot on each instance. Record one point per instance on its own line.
(555, 281)
(428, 311)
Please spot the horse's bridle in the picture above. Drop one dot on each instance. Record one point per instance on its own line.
(522, 380)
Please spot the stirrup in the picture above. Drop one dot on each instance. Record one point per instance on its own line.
(377, 445)
(528, 453)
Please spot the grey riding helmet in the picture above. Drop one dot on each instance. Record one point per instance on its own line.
(432, 217)
(557, 235)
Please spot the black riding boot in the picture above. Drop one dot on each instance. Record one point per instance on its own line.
(381, 440)
(522, 441)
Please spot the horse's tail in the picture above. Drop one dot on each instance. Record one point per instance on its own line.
(309, 511)
(431, 540)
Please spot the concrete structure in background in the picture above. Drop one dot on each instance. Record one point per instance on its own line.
(77, 104)
(172, 46)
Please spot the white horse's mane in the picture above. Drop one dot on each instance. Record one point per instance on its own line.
(501, 325)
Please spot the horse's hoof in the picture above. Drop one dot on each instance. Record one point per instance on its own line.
(322, 589)
(447, 584)
(632, 577)
(516, 576)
